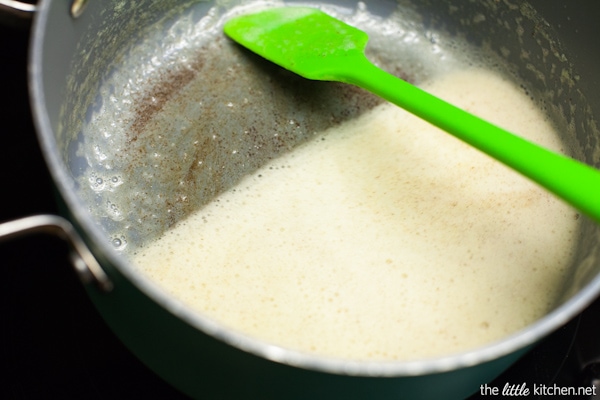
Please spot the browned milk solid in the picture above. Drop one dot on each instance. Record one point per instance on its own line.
(383, 238)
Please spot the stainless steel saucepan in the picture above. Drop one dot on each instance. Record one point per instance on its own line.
(76, 46)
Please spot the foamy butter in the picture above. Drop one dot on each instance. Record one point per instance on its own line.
(383, 238)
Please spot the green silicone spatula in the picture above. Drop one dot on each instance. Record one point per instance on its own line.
(317, 46)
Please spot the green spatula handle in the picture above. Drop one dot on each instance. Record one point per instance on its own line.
(576, 182)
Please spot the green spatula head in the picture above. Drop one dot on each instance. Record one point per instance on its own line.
(303, 40)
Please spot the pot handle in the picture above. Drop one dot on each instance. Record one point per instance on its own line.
(16, 13)
(85, 264)
(19, 12)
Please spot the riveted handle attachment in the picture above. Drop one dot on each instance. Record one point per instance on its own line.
(85, 264)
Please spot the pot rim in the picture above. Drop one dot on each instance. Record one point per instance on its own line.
(47, 139)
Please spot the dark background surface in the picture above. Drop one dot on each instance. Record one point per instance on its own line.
(53, 343)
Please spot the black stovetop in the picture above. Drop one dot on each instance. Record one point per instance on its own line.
(53, 342)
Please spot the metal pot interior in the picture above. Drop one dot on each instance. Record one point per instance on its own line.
(137, 195)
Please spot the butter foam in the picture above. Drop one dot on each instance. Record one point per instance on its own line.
(382, 239)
